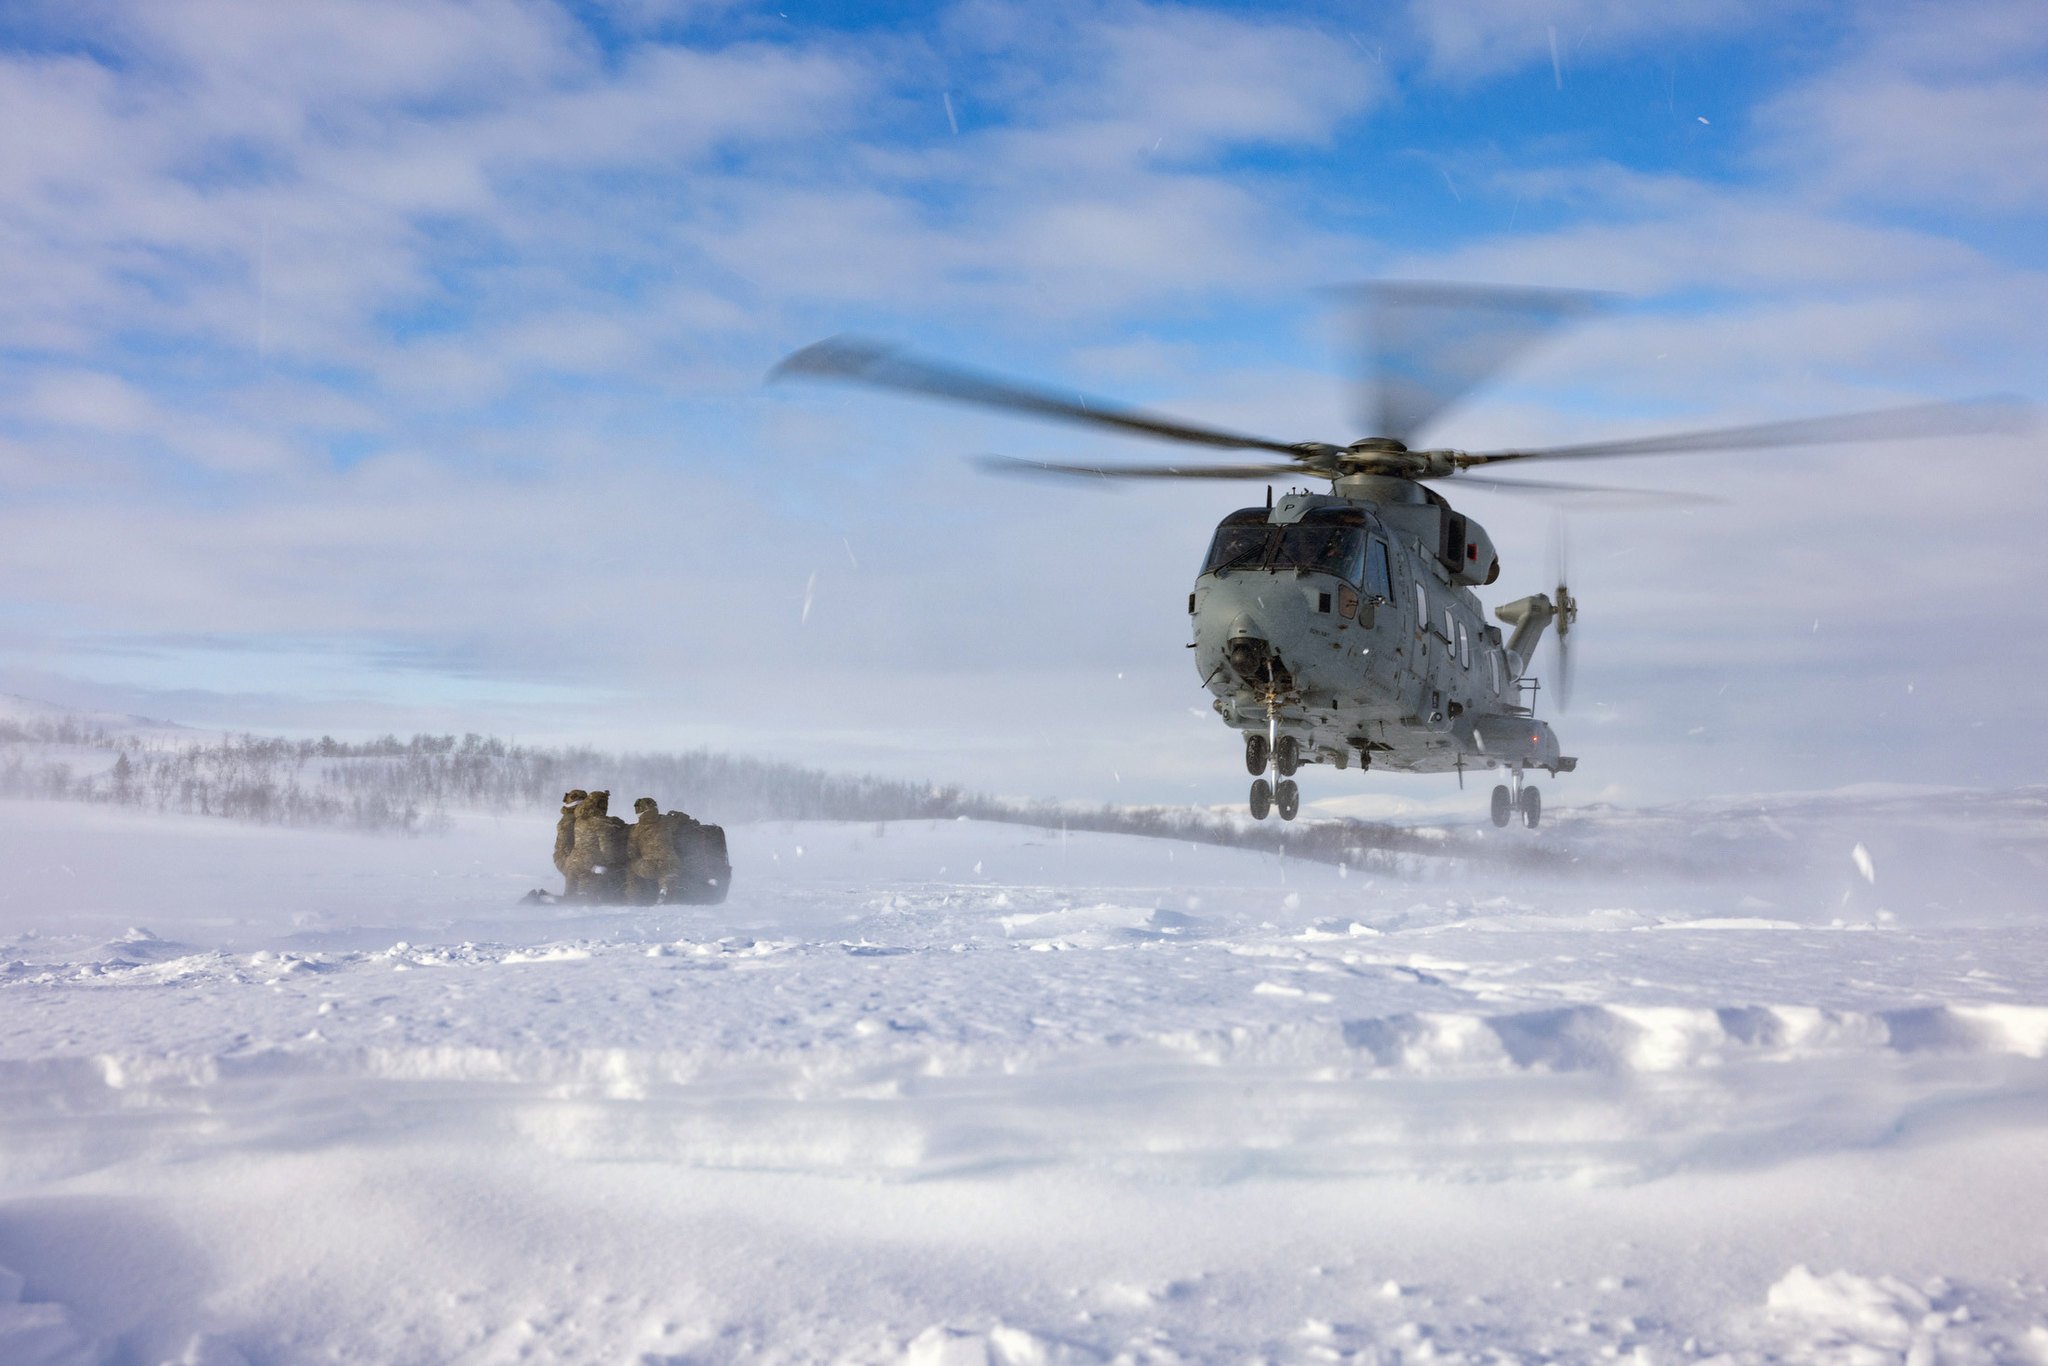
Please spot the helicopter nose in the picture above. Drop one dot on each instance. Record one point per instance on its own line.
(1242, 628)
(1246, 651)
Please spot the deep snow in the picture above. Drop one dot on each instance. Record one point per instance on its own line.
(966, 1092)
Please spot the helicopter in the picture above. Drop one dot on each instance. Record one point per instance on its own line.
(1342, 627)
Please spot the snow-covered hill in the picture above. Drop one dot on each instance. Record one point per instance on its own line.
(955, 1091)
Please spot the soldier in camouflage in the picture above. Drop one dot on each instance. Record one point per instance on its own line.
(596, 868)
(654, 867)
(565, 828)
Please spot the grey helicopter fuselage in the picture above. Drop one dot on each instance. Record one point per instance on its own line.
(1347, 621)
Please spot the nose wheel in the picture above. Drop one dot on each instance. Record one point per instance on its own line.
(1283, 754)
(1287, 797)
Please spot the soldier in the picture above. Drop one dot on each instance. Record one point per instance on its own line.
(597, 860)
(651, 874)
(565, 828)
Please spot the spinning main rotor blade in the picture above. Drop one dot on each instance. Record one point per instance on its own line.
(866, 362)
(1475, 481)
(1969, 418)
(1003, 464)
(1426, 345)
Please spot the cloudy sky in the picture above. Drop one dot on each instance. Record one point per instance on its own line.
(396, 364)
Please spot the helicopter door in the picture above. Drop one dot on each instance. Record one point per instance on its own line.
(1403, 647)
(1387, 627)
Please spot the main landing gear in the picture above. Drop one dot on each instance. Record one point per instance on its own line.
(1526, 799)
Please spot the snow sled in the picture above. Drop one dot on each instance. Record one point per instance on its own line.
(707, 870)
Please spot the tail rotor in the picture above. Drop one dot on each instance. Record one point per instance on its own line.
(1567, 609)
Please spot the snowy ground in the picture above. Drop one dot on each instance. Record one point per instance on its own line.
(1755, 1085)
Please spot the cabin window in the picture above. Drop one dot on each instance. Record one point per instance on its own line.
(1450, 631)
(1421, 611)
(1493, 669)
(1379, 583)
(1464, 646)
(1335, 550)
(1238, 546)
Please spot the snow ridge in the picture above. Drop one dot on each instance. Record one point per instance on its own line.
(946, 1091)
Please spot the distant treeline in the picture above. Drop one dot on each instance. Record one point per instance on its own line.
(412, 786)
(239, 778)
(405, 785)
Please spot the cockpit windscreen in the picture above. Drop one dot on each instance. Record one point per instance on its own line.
(1317, 549)
(1239, 545)
(1338, 550)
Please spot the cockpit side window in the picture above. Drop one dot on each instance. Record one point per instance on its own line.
(1379, 582)
(1238, 545)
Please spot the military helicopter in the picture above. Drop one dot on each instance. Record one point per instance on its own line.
(1342, 628)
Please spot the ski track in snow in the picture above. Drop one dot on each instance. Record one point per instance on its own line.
(953, 1092)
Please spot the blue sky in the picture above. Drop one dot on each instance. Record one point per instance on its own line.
(379, 365)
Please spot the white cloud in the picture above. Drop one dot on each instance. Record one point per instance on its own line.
(1203, 79)
(287, 169)
(1938, 106)
(1972, 144)
(248, 63)
(1469, 40)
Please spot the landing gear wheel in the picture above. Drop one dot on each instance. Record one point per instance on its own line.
(1503, 804)
(1262, 799)
(1254, 753)
(1532, 806)
(1287, 756)
(1288, 798)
